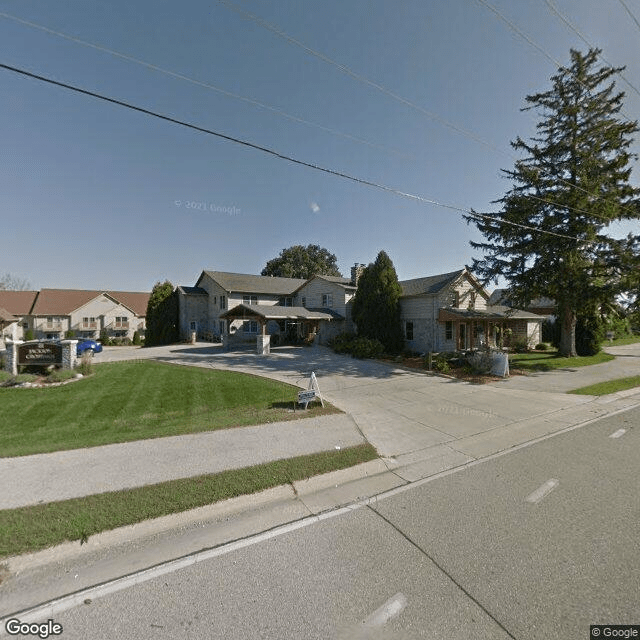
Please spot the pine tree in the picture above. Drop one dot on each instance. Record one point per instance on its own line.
(376, 305)
(573, 182)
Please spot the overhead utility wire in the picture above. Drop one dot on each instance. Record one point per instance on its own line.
(513, 27)
(249, 100)
(395, 96)
(622, 2)
(206, 85)
(310, 165)
(354, 74)
(584, 39)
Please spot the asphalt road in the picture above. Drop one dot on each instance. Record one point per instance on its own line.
(535, 544)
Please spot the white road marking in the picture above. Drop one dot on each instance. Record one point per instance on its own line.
(542, 491)
(390, 609)
(618, 433)
(63, 603)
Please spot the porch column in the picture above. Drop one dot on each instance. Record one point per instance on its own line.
(263, 343)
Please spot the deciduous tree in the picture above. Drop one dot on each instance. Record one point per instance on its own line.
(303, 262)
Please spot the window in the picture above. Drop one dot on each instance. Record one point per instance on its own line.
(249, 299)
(448, 330)
(250, 326)
(221, 325)
(285, 302)
(303, 301)
(49, 320)
(472, 300)
(456, 299)
(327, 300)
(192, 325)
(408, 330)
(223, 302)
(215, 300)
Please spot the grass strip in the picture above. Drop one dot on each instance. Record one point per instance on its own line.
(621, 341)
(40, 526)
(548, 361)
(610, 386)
(126, 401)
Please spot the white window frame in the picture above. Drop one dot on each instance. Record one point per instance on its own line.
(327, 300)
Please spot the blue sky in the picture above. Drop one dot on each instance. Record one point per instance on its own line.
(96, 196)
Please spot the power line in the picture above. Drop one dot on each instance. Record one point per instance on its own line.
(257, 103)
(521, 33)
(205, 85)
(357, 76)
(251, 145)
(514, 28)
(584, 39)
(622, 2)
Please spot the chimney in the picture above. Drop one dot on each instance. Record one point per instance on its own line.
(356, 272)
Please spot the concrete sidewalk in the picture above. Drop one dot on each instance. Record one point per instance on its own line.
(419, 424)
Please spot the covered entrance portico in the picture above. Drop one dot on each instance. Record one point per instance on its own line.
(493, 327)
(305, 322)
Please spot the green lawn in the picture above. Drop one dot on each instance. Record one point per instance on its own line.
(40, 526)
(124, 401)
(545, 361)
(610, 386)
(621, 341)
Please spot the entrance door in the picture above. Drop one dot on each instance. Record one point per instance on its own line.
(464, 337)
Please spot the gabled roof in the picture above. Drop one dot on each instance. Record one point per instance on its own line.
(430, 284)
(247, 283)
(18, 303)
(137, 301)
(5, 316)
(192, 291)
(345, 283)
(63, 302)
(278, 312)
(495, 312)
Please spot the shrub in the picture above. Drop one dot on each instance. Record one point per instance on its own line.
(366, 348)
(520, 346)
(442, 362)
(136, 338)
(590, 332)
(541, 346)
(480, 361)
(60, 375)
(85, 367)
(342, 343)
(28, 335)
(69, 335)
(105, 341)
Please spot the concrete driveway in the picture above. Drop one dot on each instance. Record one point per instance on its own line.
(411, 415)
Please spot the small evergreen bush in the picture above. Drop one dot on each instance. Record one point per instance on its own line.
(366, 348)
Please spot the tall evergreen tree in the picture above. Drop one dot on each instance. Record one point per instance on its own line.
(573, 182)
(162, 315)
(376, 305)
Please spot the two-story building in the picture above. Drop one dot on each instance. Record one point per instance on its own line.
(446, 312)
(55, 313)
(242, 306)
